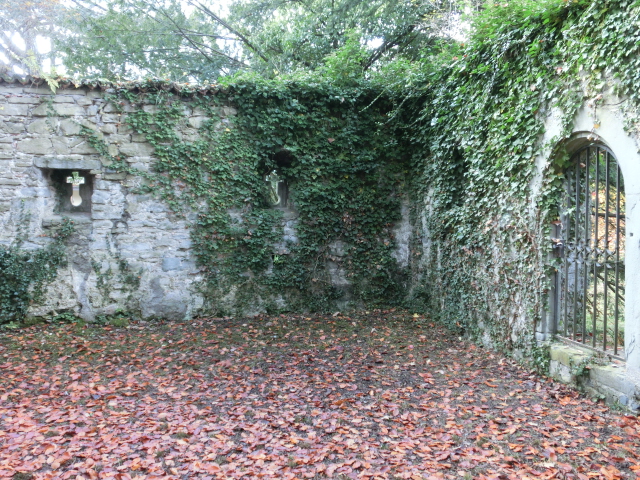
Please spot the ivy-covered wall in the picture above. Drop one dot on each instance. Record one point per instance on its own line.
(178, 216)
(497, 125)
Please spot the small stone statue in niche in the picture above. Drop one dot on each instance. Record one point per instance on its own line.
(75, 180)
(274, 188)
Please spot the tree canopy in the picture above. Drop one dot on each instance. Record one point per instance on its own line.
(20, 25)
(201, 40)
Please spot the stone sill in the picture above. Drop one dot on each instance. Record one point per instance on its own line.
(56, 221)
(583, 369)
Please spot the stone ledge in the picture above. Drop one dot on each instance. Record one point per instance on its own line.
(56, 221)
(611, 381)
(66, 163)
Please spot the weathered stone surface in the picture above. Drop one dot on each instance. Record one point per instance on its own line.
(10, 88)
(119, 139)
(61, 98)
(613, 380)
(10, 181)
(81, 146)
(38, 146)
(44, 127)
(137, 149)
(14, 110)
(67, 163)
(114, 176)
(108, 128)
(21, 99)
(42, 90)
(6, 150)
(69, 127)
(60, 145)
(64, 109)
(196, 122)
(111, 118)
(12, 127)
(169, 264)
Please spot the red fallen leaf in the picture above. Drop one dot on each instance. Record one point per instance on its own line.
(212, 468)
(611, 472)
(490, 385)
(443, 456)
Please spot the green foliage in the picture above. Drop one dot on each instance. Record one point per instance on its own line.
(133, 38)
(345, 173)
(119, 319)
(25, 273)
(457, 133)
(200, 41)
(64, 317)
(477, 139)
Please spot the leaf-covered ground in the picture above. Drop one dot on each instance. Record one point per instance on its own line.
(384, 395)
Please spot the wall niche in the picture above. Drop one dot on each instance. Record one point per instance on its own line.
(62, 181)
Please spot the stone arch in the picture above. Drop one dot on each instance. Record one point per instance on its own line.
(606, 126)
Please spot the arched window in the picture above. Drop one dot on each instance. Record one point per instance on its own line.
(591, 280)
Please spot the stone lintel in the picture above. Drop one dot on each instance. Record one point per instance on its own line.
(66, 163)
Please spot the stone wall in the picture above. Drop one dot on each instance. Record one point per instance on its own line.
(130, 252)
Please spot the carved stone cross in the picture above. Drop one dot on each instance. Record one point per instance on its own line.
(75, 180)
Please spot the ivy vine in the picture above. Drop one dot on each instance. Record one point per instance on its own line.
(456, 137)
(26, 272)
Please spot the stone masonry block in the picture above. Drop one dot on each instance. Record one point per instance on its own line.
(10, 181)
(37, 146)
(12, 127)
(109, 128)
(81, 147)
(64, 109)
(14, 110)
(69, 127)
(44, 127)
(63, 99)
(10, 88)
(22, 99)
(119, 139)
(42, 90)
(111, 118)
(196, 122)
(137, 149)
(613, 378)
(83, 101)
(66, 163)
(169, 264)
(60, 145)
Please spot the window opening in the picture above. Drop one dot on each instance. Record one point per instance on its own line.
(74, 189)
(590, 283)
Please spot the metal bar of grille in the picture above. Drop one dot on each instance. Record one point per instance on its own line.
(575, 265)
(617, 306)
(565, 283)
(587, 245)
(606, 251)
(595, 248)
